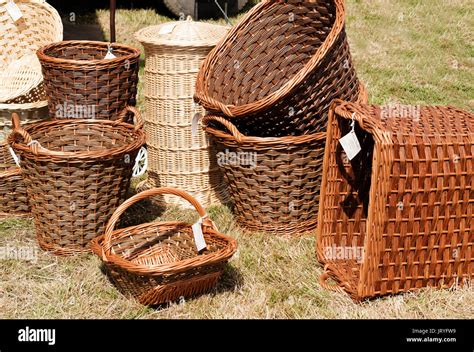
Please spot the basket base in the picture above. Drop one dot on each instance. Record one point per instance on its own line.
(61, 251)
(347, 277)
(179, 290)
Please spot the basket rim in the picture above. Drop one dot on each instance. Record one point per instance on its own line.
(376, 127)
(135, 145)
(267, 140)
(272, 141)
(45, 58)
(201, 96)
(218, 256)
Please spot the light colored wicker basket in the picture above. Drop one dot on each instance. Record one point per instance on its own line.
(177, 158)
(21, 76)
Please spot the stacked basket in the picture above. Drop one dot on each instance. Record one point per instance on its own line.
(267, 88)
(21, 89)
(179, 157)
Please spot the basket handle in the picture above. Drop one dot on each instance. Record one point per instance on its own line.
(227, 124)
(331, 287)
(107, 244)
(20, 131)
(17, 129)
(137, 116)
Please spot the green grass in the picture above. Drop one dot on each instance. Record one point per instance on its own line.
(413, 52)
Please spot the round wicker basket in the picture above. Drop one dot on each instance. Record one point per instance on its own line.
(178, 157)
(20, 71)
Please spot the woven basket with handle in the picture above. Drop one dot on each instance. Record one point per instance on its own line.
(159, 262)
(77, 173)
(178, 157)
(399, 215)
(279, 69)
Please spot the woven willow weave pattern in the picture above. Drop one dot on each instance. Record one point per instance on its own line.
(40, 25)
(279, 69)
(405, 202)
(158, 262)
(77, 173)
(14, 201)
(77, 76)
(177, 158)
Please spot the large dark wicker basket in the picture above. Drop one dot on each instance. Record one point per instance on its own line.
(278, 70)
(77, 173)
(80, 83)
(273, 181)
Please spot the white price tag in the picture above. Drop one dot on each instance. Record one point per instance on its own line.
(195, 124)
(15, 157)
(350, 143)
(109, 54)
(167, 28)
(199, 236)
(13, 10)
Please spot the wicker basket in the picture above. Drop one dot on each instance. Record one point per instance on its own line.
(22, 89)
(12, 187)
(399, 216)
(81, 83)
(279, 69)
(19, 78)
(159, 262)
(14, 200)
(177, 158)
(273, 182)
(77, 173)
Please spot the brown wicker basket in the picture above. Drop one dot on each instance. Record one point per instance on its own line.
(77, 173)
(279, 69)
(273, 182)
(159, 262)
(80, 83)
(279, 192)
(399, 216)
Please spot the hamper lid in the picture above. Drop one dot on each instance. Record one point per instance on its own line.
(187, 33)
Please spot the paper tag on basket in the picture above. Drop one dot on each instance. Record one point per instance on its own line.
(167, 28)
(13, 10)
(199, 236)
(195, 124)
(15, 157)
(350, 142)
(110, 54)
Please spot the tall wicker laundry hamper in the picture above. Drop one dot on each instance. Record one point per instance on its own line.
(178, 156)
